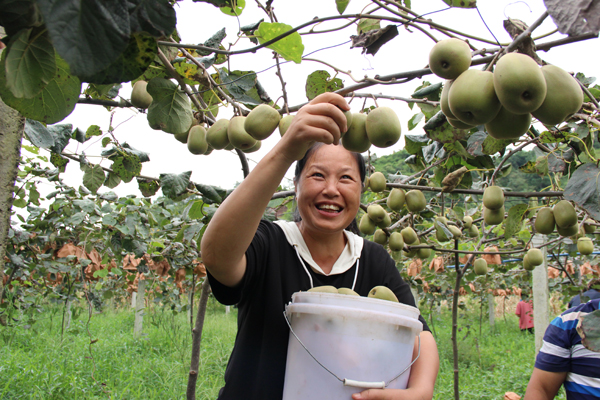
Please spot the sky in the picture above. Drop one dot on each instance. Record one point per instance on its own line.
(197, 21)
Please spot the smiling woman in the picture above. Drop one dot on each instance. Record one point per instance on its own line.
(258, 265)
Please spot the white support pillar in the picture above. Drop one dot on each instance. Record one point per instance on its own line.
(415, 294)
(133, 297)
(139, 309)
(227, 309)
(541, 295)
(492, 309)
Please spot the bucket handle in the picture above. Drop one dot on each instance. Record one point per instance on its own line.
(350, 382)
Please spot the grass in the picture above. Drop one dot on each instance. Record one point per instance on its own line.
(37, 364)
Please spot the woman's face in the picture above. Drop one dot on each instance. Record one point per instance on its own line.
(328, 191)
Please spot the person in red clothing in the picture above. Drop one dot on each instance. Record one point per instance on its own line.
(525, 313)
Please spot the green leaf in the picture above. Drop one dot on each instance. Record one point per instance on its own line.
(52, 137)
(101, 273)
(170, 110)
(157, 18)
(584, 189)
(131, 63)
(93, 130)
(85, 205)
(588, 328)
(290, 47)
(59, 161)
(88, 34)
(53, 103)
(127, 149)
(30, 62)
(106, 141)
(16, 15)
(515, 219)
(528, 168)
(491, 146)
(209, 193)
(414, 143)
(444, 132)
(475, 143)
(462, 3)
(243, 86)
(127, 167)
(235, 8)
(148, 187)
(341, 5)
(93, 177)
(367, 24)
(319, 82)
(112, 180)
(196, 210)
(431, 92)
(414, 121)
(174, 185)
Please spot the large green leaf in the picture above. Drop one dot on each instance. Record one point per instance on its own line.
(136, 58)
(30, 62)
(88, 34)
(320, 82)
(19, 14)
(414, 143)
(53, 103)
(156, 17)
(170, 110)
(93, 177)
(584, 189)
(290, 47)
(175, 185)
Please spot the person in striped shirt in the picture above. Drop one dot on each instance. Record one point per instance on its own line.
(564, 360)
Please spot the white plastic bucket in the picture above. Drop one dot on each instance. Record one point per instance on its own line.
(335, 337)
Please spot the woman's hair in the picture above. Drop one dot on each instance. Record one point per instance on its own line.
(300, 164)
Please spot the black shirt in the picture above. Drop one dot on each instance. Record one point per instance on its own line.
(256, 368)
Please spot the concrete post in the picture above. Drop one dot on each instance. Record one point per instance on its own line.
(227, 309)
(139, 309)
(541, 295)
(415, 294)
(133, 299)
(492, 309)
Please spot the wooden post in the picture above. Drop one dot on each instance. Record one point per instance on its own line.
(139, 309)
(492, 309)
(541, 297)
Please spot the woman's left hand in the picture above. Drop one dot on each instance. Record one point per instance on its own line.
(389, 394)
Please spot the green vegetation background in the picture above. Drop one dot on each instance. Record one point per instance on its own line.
(37, 364)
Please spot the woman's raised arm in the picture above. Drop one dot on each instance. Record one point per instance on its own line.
(233, 226)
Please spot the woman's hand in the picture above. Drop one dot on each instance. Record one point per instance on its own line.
(321, 120)
(390, 394)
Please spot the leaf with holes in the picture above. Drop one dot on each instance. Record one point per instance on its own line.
(93, 177)
(515, 219)
(320, 82)
(56, 100)
(367, 24)
(93, 130)
(127, 167)
(30, 62)
(170, 110)
(462, 3)
(584, 189)
(290, 47)
(148, 187)
(59, 161)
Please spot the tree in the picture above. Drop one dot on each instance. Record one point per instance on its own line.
(49, 58)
